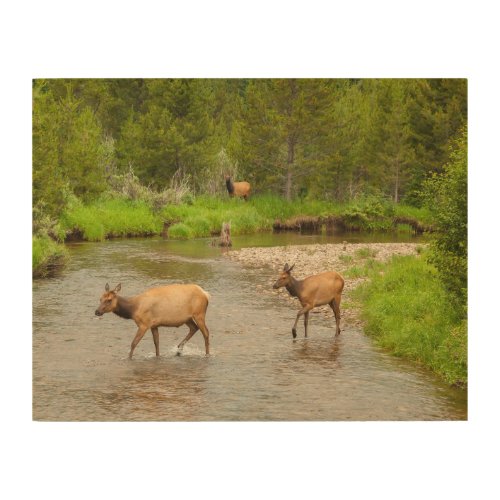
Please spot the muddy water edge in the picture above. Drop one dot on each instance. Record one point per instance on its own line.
(255, 372)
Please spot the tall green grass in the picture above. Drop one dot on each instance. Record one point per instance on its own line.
(111, 218)
(47, 255)
(204, 215)
(407, 311)
(423, 215)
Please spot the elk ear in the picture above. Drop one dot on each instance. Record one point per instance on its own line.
(290, 268)
(106, 287)
(286, 267)
(118, 288)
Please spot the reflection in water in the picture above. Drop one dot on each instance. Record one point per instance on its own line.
(326, 354)
(256, 371)
(153, 387)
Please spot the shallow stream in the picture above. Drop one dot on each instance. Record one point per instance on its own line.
(255, 370)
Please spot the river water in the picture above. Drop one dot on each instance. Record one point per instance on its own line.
(255, 371)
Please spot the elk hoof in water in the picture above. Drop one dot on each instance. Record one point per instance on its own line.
(294, 332)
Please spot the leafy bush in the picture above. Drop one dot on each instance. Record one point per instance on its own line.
(371, 212)
(446, 196)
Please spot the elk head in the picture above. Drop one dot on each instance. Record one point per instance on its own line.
(284, 278)
(108, 301)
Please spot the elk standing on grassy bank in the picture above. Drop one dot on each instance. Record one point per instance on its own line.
(240, 189)
(318, 290)
(170, 305)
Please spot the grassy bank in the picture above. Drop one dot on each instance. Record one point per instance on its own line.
(406, 309)
(204, 217)
(47, 255)
(201, 217)
(109, 218)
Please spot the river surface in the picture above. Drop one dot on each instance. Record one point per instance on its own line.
(255, 371)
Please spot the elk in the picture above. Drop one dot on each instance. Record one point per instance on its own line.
(240, 189)
(313, 291)
(169, 305)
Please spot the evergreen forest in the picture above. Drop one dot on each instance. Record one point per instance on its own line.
(328, 139)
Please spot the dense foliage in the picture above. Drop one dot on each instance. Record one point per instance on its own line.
(447, 198)
(329, 139)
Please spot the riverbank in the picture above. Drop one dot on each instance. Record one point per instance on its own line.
(384, 294)
(203, 216)
(47, 256)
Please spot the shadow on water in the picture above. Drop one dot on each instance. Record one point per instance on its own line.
(256, 372)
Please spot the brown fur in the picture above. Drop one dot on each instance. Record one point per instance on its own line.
(239, 189)
(170, 305)
(313, 291)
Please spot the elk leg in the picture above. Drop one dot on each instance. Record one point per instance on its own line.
(334, 304)
(200, 321)
(156, 339)
(138, 336)
(304, 310)
(193, 328)
(306, 321)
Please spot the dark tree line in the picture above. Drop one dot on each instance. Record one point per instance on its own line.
(322, 138)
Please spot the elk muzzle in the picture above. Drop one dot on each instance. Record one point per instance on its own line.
(98, 313)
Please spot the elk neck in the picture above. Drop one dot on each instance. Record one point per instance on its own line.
(125, 307)
(294, 287)
(230, 186)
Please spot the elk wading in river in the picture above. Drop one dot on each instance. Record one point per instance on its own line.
(313, 291)
(170, 305)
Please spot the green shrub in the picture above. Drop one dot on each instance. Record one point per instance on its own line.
(446, 196)
(373, 213)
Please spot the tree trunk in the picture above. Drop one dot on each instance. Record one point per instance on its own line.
(396, 184)
(288, 186)
(289, 168)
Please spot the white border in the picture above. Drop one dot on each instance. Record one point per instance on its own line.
(257, 39)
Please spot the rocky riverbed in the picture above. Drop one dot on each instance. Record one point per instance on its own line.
(313, 259)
